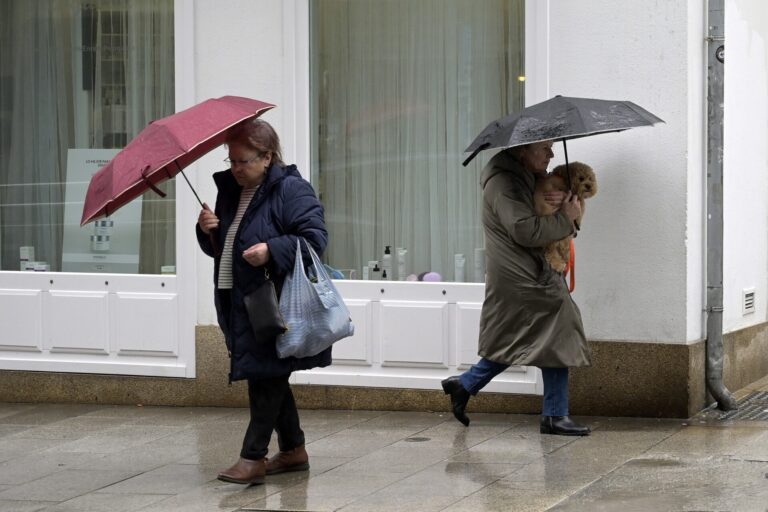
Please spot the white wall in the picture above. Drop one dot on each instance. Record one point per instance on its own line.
(640, 256)
(632, 253)
(246, 48)
(746, 160)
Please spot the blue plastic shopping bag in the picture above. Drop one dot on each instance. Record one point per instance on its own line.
(314, 312)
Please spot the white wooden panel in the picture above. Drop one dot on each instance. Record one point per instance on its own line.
(356, 349)
(76, 322)
(80, 320)
(144, 324)
(414, 333)
(467, 331)
(20, 320)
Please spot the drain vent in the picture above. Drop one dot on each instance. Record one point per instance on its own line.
(416, 439)
(754, 407)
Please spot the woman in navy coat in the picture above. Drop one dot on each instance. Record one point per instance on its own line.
(262, 207)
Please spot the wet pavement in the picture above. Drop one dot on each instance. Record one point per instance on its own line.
(120, 458)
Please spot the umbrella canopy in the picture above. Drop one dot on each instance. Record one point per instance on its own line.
(163, 149)
(560, 118)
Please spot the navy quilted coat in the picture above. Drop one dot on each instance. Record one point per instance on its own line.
(284, 206)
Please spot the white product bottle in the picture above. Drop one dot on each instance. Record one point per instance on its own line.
(458, 268)
(371, 265)
(401, 273)
(479, 265)
(376, 272)
(386, 261)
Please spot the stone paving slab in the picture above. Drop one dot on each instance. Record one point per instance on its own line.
(59, 458)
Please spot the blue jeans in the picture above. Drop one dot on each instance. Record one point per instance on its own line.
(555, 384)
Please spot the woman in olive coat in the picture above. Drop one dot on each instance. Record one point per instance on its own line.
(528, 316)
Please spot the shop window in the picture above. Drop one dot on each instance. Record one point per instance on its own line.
(78, 80)
(399, 89)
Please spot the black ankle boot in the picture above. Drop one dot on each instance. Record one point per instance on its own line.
(459, 398)
(562, 426)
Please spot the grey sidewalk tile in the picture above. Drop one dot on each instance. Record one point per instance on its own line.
(69, 429)
(391, 501)
(457, 479)
(115, 439)
(512, 446)
(13, 448)
(326, 492)
(172, 478)
(356, 442)
(10, 430)
(708, 441)
(101, 502)
(669, 484)
(501, 497)
(167, 416)
(64, 485)
(453, 437)
(42, 414)
(403, 420)
(755, 449)
(214, 495)
(401, 457)
(137, 459)
(31, 467)
(11, 408)
(24, 506)
(584, 460)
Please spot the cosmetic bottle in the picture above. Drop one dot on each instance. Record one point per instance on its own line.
(386, 261)
(458, 268)
(402, 275)
(371, 264)
(479, 265)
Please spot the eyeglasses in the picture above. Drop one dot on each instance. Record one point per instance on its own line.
(233, 163)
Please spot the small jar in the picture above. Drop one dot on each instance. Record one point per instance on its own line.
(99, 243)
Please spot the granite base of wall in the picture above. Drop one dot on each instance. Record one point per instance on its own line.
(625, 379)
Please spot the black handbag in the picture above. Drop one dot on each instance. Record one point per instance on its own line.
(264, 311)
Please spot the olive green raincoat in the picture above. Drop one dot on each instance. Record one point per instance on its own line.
(528, 316)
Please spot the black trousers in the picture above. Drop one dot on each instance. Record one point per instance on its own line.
(272, 408)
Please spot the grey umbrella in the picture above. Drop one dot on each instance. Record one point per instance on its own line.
(560, 118)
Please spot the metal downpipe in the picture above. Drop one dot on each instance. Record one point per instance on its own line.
(715, 102)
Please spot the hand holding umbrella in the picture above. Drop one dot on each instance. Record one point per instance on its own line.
(207, 219)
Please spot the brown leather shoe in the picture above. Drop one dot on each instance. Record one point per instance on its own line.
(245, 471)
(292, 460)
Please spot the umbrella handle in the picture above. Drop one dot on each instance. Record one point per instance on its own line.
(150, 184)
(475, 152)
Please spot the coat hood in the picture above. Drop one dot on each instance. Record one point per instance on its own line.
(504, 162)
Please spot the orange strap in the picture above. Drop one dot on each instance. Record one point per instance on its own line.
(570, 267)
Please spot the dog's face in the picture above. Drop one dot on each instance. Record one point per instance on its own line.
(583, 180)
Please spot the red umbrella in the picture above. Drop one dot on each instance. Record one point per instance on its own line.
(162, 150)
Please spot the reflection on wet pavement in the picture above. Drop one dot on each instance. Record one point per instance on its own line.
(108, 458)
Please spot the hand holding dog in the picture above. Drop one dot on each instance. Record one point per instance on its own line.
(571, 206)
(554, 198)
